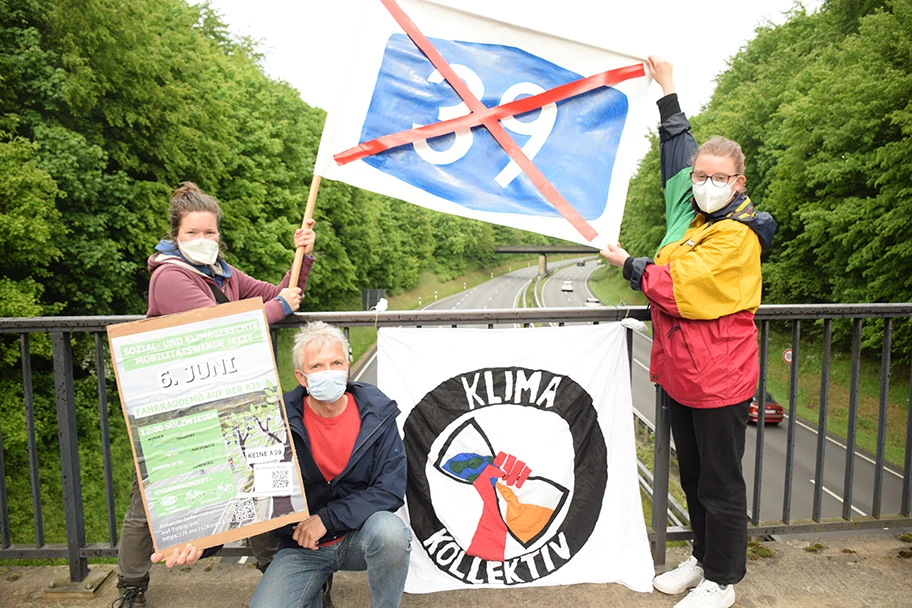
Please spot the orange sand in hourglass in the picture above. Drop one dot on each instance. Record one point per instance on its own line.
(524, 520)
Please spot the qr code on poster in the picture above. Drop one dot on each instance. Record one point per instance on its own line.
(280, 479)
(244, 511)
(273, 478)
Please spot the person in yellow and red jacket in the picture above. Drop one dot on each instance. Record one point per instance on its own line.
(703, 287)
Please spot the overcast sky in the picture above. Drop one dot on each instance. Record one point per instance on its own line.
(301, 37)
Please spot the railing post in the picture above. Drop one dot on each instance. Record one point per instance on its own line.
(661, 465)
(630, 354)
(274, 336)
(761, 423)
(105, 437)
(852, 428)
(905, 508)
(34, 477)
(4, 511)
(69, 454)
(882, 416)
(793, 406)
(822, 418)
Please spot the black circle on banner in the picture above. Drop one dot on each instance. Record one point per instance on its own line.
(448, 401)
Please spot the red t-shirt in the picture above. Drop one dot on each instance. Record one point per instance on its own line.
(332, 439)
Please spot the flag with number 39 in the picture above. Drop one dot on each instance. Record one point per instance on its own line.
(565, 168)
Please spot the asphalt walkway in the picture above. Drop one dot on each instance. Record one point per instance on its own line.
(834, 572)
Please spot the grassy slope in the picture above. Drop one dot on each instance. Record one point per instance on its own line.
(609, 286)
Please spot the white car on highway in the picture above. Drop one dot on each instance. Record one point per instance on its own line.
(567, 286)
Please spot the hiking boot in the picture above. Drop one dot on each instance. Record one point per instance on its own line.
(130, 597)
(686, 576)
(709, 595)
(327, 593)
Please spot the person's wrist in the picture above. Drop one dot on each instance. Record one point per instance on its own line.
(285, 305)
(628, 268)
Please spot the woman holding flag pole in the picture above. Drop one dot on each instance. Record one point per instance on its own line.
(703, 288)
(189, 272)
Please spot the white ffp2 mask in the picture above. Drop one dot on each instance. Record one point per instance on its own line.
(710, 198)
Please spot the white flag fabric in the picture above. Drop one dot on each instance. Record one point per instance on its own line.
(582, 146)
(522, 463)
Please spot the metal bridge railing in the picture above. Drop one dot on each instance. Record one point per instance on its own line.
(78, 549)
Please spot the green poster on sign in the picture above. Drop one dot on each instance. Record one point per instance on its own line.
(186, 462)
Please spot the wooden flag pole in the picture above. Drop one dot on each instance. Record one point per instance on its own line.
(308, 214)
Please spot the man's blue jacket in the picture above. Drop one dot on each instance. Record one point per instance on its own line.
(372, 481)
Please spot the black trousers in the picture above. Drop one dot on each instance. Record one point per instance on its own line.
(710, 444)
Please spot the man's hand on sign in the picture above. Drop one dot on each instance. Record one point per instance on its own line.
(661, 72)
(305, 237)
(180, 556)
(615, 255)
(309, 531)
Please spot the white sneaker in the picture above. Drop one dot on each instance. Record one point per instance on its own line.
(709, 595)
(686, 576)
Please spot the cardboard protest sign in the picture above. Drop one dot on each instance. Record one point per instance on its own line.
(211, 444)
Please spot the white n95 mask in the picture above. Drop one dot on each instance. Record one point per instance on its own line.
(710, 198)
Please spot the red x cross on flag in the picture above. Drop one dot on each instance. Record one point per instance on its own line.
(475, 117)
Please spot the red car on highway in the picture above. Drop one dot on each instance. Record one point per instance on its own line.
(774, 411)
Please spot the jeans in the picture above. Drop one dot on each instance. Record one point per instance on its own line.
(710, 443)
(135, 546)
(382, 547)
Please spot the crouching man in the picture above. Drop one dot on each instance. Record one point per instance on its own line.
(353, 465)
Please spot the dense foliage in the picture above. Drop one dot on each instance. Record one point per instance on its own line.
(822, 106)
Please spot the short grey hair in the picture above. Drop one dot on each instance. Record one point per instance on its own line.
(318, 334)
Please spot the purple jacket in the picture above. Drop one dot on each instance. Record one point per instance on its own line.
(178, 287)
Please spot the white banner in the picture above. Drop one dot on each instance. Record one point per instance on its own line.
(522, 463)
(581, 145)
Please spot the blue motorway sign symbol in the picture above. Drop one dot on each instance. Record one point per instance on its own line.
(572, 142)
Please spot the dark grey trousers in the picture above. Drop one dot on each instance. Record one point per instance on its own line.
(710, 443)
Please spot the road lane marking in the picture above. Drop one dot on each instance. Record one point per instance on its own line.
(836, 496)
(844, 447)
(365, 366)
(522, 290)
(586, 280)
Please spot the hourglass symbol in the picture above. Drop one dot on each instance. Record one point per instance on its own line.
(514, 501)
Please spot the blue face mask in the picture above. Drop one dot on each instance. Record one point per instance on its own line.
(327, 386)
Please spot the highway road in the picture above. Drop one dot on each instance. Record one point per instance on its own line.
(504, 292)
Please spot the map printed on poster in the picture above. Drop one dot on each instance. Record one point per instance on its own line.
(212, 450)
